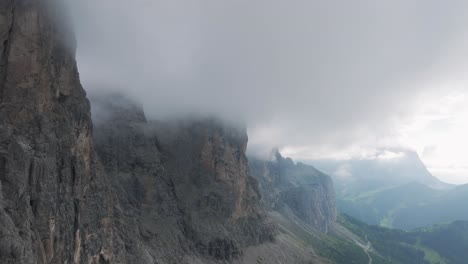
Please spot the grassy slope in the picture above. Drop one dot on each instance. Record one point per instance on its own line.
(393, 246)
(335, 249)
(430, 255)
(385, 206)
(350, 241)
(441, 244)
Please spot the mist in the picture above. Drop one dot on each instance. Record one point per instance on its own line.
(320, 75)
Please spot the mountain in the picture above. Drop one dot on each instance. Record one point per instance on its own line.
(341, 238)
(389, 169)
(186, 184)
(122, 188)
(394, 192)
(184, 198)
(301, 201)
(306, 191)
(183, 185)
(55, 202)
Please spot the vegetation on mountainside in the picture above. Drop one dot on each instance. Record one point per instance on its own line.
(328, 247)
(441, 244)
(405, 207)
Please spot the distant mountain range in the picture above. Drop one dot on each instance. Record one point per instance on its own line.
(358, 175)
(398, 192)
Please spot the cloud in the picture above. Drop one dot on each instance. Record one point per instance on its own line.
(344, 171)
(390, 156)
(454, 175)
(322, 75)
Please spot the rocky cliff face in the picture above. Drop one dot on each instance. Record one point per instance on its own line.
(55, 205)
(298, 188)
(185, 185)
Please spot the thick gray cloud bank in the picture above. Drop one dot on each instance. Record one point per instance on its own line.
(311, 73)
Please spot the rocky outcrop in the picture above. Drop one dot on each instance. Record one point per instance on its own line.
(184, 184)
(55, 204)
(299, 188)
(206, 161)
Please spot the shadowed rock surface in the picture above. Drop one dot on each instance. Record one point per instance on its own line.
(184, 184)
(301, 188)
(55, 202)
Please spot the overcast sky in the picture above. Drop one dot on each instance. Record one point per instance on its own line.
(319, 79)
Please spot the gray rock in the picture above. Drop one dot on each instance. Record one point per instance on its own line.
(56, 205)
(185, 182)
(301, 188)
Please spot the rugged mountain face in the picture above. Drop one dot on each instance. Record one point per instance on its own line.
(55, 205)
(297, 187)
(207, 161)
(184, 185)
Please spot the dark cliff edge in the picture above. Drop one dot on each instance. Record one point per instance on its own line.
(55, 203)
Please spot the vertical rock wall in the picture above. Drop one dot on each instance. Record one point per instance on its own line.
(55, 204)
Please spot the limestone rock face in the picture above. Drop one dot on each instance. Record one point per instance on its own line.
(300, 188)
(55, 204)
(185, 184)
(206, 160)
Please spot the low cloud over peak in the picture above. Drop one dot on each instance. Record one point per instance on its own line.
(323, 75)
